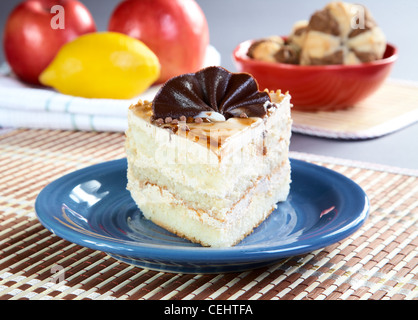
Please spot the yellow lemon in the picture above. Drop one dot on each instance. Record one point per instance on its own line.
(102, 65)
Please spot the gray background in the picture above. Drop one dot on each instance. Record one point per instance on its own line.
(232, 21)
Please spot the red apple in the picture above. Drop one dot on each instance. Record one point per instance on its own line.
(34, 33)
(175, 30)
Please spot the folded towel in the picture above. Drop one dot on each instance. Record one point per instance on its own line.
(44, 108)
(24, 106)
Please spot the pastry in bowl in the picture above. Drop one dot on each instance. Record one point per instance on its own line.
(340, 33)
(332, 61)
(274, 49)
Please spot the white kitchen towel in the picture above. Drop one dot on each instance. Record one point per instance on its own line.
(24, 106)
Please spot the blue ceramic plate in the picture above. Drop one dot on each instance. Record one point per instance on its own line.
(91, 207)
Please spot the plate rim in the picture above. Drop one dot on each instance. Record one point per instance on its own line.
(196, 254)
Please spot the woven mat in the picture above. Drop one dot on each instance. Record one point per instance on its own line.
(379, 261)
(393, 107)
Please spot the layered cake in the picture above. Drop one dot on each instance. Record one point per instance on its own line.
(208, 157)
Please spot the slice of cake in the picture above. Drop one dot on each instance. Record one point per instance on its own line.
(208, 157)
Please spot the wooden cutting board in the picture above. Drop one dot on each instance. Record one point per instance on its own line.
(393, 107)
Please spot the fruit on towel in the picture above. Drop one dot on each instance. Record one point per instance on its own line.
(35, 31)
(175, 30)
(103, 65)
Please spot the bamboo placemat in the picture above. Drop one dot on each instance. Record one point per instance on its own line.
(394, 106)
(379, 261)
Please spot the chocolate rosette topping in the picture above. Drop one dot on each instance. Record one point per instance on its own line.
(213, 89)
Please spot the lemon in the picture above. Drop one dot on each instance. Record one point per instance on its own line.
(102, 65)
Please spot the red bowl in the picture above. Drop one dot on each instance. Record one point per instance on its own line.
(315, 88)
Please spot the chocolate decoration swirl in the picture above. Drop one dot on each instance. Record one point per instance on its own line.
(210, 89)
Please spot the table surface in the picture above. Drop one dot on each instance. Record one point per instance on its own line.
(379, 261)
(233, 21)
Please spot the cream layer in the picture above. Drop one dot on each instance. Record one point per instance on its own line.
(174, 214)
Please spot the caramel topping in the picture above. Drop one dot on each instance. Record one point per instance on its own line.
(212, 135)
(210, 89)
